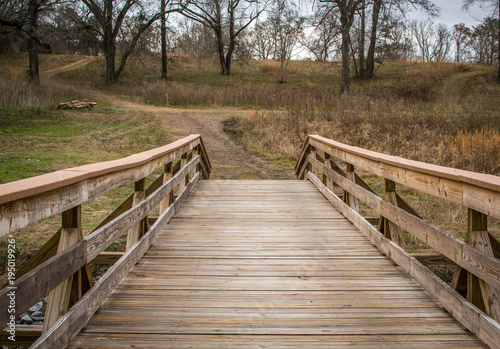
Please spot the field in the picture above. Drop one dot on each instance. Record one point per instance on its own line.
(442, 113)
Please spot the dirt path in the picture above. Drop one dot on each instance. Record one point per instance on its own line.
(229, 159)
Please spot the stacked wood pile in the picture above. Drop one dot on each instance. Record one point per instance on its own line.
(76, 105)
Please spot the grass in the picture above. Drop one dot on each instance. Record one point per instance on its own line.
(440, 113)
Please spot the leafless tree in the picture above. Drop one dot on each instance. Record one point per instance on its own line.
(323, 41)
(287, 27)
(461, 37)
(442, 43)
(227, 19)
(347, 11)
(423, 32)
(111, 14)
(23, 16)
(263, 40)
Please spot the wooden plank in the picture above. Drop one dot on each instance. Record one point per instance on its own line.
(38, 282)
(25, 335)
(201, 283)
(47, 251)
(432, 259)
(478, 191)
(73, 321)
(462, 310)
(28, 201)
(59, 298)
(480, 264)
(102, 238)
(140, 227)
(107, 258)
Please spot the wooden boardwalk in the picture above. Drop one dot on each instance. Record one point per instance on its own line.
(253, 264)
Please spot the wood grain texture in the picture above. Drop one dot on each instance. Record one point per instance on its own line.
(245, 264)
(29, 201)
(479, 263)
(478, 191)
(465, 312)
(60, 334)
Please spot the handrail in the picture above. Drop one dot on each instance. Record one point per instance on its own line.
(22, 202)
(476, 257)
(68, 253)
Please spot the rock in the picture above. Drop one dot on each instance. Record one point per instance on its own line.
(36, 307)
(37, 316)
(26, 319)
(37, 323)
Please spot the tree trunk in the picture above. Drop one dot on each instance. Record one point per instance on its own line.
(163, 42)
(34, 73)
(33, 61)
(110, 51)
(362, 65)
(370, 58)
(345, 61)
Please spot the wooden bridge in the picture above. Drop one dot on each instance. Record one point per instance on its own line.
(252, 264)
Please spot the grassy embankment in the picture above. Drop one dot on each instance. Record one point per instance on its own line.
(440, 113)
(37, 139)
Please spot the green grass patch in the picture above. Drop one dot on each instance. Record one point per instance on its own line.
(37, 142)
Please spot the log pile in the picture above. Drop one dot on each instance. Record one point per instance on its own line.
(76, 105)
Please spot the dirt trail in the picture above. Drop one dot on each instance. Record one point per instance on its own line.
(229, 159)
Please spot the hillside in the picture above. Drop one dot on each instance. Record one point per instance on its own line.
(440, 113)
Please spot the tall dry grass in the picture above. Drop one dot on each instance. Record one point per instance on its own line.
(453, 135)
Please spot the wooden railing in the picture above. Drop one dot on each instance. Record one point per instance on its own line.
(60, 269)
(477, 276)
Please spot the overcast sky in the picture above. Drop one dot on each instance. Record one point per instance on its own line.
(452, 13)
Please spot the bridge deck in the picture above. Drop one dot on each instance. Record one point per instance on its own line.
(256, 264)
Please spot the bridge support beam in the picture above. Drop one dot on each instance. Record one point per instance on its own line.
(140, 228)
(388, 228)
(73, 288)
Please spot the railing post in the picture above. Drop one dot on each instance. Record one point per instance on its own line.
(350, 199)
(388, 228)
(326, 181)
(72, 288)
(480, 293)
(310, 167)
(140, 228)
(167, 174)
(194, 154)
(184, 161)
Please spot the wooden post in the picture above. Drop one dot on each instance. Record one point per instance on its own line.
(391, 230)
(167, 174)
(183, 163)
(139, 229)
(480, 293)
(194, 154)
(326, 180)
(310, 168)
(71, 233)
(350, 199)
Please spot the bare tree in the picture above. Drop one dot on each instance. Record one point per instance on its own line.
(347, 10)
(388, 5)
(228, 19)
(494, 5)
(23, 16)
(263, 40)
(442, 43)
(287, 28)
(461, 36)
(323, 41)
(423, 32)
(111, 14)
